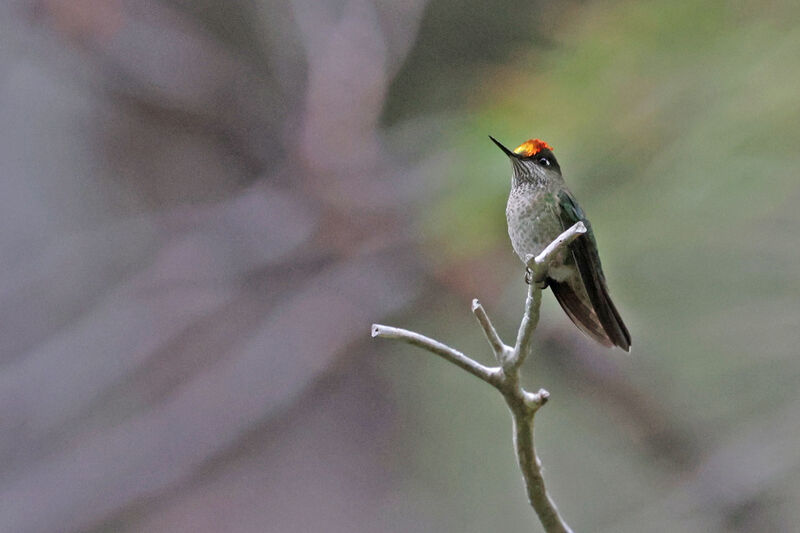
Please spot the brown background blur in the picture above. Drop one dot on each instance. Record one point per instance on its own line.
(205, 204)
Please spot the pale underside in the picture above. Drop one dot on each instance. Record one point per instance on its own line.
(533, 223)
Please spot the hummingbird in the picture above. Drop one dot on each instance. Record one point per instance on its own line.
(539, 209)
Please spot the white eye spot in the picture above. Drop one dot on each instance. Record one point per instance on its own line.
(544, 161)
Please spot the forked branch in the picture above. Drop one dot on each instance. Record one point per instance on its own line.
(505, 377)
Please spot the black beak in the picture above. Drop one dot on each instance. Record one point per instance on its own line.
(505, 150)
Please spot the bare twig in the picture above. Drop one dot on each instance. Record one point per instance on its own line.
(489, 375)
(541, 262)
(505, 378)
(501, 351)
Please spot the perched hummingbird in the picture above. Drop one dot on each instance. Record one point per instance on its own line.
(540, 208)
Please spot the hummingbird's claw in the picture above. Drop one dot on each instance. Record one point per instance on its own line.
(529, 279)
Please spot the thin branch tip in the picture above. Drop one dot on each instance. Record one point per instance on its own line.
(499, 348)
(567, 236)
(534, 401)
(544, 396)
(438, 348)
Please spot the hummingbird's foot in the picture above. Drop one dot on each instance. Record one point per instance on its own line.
(529, 279)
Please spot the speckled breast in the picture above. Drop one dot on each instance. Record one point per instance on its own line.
(532, 221)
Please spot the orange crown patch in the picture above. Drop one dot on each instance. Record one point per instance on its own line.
(531, 147)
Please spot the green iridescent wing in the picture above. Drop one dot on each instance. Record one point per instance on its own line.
(602, 321)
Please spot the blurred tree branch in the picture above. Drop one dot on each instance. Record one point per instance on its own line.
(505, 377)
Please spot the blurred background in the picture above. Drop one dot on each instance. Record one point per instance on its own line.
(204, 205)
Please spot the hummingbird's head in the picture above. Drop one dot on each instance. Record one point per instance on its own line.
(532, 161)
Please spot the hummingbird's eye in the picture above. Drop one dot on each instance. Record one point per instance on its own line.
(544, 161)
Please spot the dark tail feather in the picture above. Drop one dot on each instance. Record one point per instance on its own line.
(581, 315)
(626, 336)
(589, 267)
